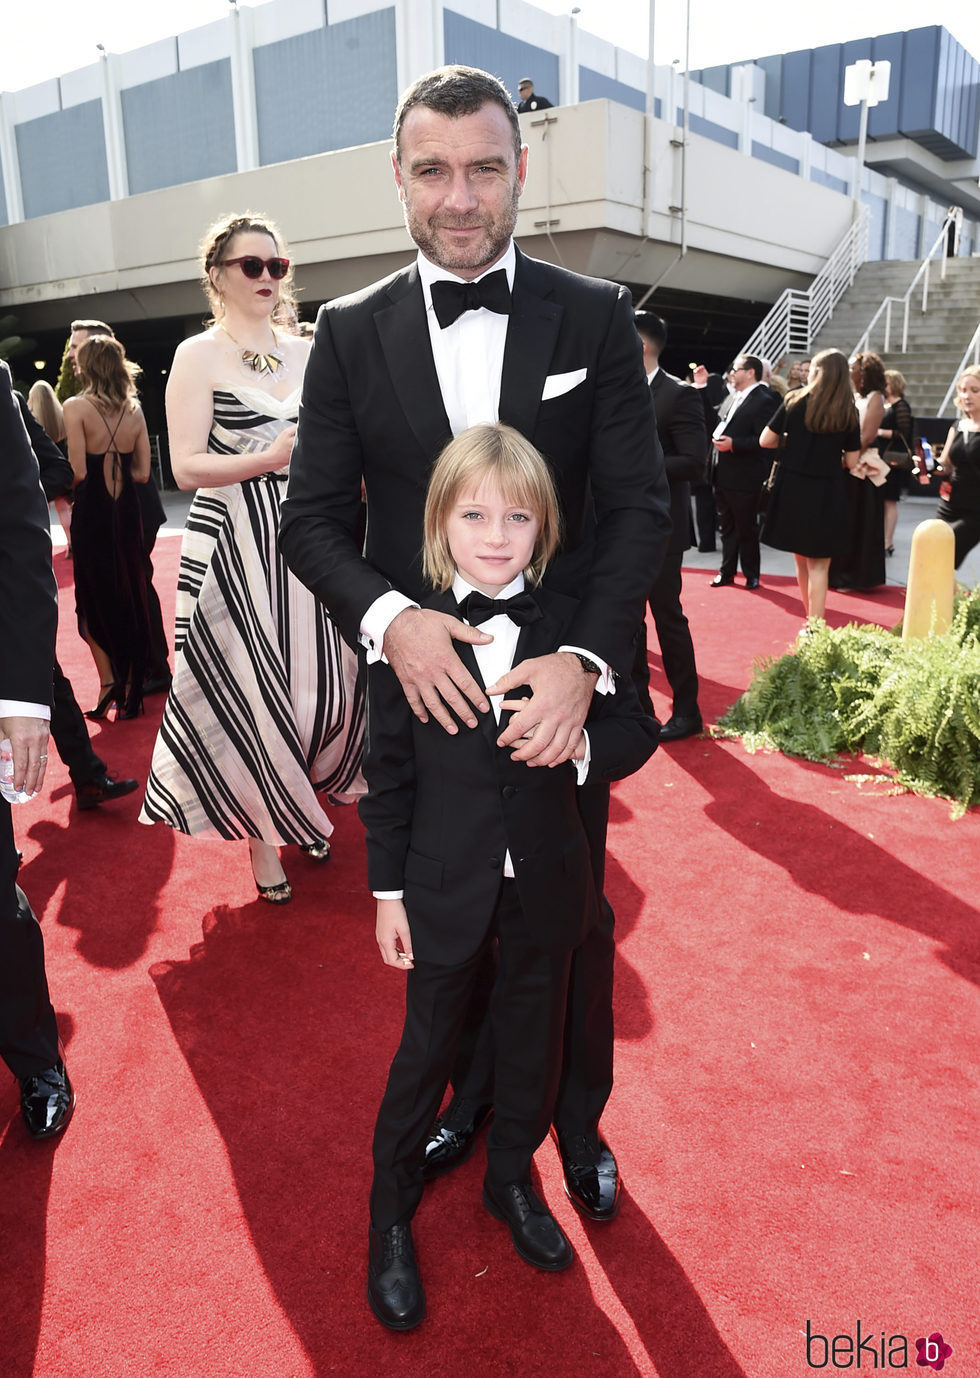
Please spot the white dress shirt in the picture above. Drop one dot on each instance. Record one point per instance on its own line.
(469, 360)
(494, 659)
(14, 708)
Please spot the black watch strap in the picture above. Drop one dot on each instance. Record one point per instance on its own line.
(588, 665)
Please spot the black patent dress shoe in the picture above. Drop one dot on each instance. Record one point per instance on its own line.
(752, 583)
(592, 1182)
(720, 580)
(537, 1235)
(679, 726)
(47, 1101)
(100, 789)
(394, 1290)
(453, 1137)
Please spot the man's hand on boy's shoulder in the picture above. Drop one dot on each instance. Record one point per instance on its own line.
(419, 648)
(550, 722)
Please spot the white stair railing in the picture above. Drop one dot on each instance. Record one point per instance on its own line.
(972, 348)
(887, 308)
(796, 318)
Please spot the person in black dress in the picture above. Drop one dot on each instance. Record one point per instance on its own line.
(959, 502)
(862, 564)
(110, 453)
(894, 444)
(808, 508)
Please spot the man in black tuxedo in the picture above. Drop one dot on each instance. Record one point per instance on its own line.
(28, 621)
(395, 371)
(680, 425)
(741, 466)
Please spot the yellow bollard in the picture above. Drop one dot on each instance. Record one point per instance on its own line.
(929, 595)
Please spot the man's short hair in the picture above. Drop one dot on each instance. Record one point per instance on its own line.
(524, 81)
(652, 327)
(750, 361)
(94, 328)
(456, 91)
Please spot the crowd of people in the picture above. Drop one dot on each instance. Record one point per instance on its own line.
(457, 518)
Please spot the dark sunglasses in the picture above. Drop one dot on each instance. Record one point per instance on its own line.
(252, 266)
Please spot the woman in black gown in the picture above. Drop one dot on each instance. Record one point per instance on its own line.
(819, 440)
(109, 451)
(959, 502)
(862, 565)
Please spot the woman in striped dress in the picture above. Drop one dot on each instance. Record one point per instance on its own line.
(265, 714)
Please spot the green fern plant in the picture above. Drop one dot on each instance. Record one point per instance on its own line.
(914, 706)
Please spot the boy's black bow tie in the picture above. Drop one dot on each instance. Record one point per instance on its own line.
(451, 299)
(476, 607)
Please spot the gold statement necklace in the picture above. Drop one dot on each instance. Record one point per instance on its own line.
(271, 363)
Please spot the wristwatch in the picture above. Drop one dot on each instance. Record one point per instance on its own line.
(589, 666)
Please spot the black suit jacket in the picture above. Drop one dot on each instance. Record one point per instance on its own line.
(743, 469)
(442, 811)
(372, 406)
(57, 476)
(28, 597)
(680, 425)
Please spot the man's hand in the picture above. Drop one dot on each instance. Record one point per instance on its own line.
(394, 935)
(722, 443)
(29, 743)
(551, 720)
(419, 648)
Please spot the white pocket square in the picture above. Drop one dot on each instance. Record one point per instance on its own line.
(558, 383)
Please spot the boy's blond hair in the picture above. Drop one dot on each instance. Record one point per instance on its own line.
(501, 456)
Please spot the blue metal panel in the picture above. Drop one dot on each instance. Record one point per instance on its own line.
(595, 86)
(773, 100)
(883, 119)
(919, 81)
(876, 225)
(826, 179)
(180, 128)
(717, 79)
(509, 58)
(63, 160)
(334, 87)
(772, 155)
(710, 130)
(795, 103)
(905, 233)
(826, 89)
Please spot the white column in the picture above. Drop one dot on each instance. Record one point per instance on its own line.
(243, 89)
(419, 39)
(112, 124)
(13, 194)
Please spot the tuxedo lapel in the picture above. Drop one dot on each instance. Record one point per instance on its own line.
(532, 334)
(404, 334)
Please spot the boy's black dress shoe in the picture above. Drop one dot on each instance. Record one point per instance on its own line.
(678, 727)
(592, 1182)
(537, 1235)
(720, 580)
(100, 789)
(47, 1101)
(393, 1288)
(453, 1137)
(752, 583)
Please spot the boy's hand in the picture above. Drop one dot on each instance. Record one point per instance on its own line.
(548, 726)
(394, 935)
(419, 648)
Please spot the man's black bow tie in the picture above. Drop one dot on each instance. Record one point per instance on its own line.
(476, 607)
(451, 299)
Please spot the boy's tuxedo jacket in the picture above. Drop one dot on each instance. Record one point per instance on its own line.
(572, 383)
(442, 811)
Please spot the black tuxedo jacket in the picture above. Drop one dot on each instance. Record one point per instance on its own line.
(57, 476)
(28, 597)
(372, 407)
(744, 467)
(442, 811)
(684, 440)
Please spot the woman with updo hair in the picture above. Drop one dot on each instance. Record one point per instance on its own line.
(109, 451)
(863, 567)
(265, 713)
(959, 492)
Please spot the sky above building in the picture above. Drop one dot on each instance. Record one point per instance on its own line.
(43, 38)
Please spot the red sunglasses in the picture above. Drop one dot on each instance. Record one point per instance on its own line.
(252, 266)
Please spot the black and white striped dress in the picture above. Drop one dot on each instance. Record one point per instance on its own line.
(265, 714)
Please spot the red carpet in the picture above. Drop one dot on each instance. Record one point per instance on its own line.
(795, 1108)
